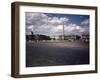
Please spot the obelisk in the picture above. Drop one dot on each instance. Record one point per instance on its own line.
(63, 31)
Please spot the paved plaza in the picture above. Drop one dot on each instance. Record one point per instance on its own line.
(52, 53)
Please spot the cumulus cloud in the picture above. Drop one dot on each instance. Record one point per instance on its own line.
(36, 19)
(85, 22)
(73, 29)
(41, 23)
(57, 21)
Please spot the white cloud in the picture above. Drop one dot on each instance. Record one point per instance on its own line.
(56, 20)
(59, 29)
(40, 23)
(30, 27)
(36, 19)
(64, 19)
(85, 25)
(85, 22)
(73, 29)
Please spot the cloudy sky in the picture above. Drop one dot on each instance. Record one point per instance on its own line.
(52, 24)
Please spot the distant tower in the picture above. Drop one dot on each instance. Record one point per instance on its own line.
(63, 31)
